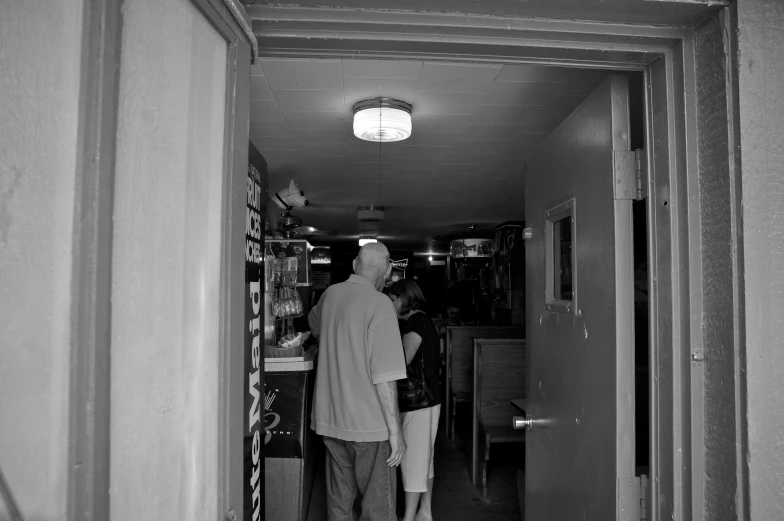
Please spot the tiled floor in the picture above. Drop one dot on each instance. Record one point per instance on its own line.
(454, 497)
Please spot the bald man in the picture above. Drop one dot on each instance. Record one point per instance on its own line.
(355, 399)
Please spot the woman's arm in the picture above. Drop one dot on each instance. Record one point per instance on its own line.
(411, 343)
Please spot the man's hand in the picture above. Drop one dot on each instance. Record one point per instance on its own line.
(387, 398)
(398, 446)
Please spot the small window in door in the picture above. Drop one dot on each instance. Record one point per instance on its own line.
(560, 288)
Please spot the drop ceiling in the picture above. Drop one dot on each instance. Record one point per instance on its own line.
(474, 125)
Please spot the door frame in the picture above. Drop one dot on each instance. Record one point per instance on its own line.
(667, 57)
(90, 379)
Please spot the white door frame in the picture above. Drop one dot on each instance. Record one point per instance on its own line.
(667, 56)
(89, 436)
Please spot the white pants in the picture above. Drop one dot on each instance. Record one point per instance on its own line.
(419, 432)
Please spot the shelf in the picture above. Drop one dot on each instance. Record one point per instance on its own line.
(291, 317)
(295, 285)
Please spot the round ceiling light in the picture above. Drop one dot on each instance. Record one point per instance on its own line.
(382, 120)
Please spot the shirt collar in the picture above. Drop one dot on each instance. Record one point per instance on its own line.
(356, 279)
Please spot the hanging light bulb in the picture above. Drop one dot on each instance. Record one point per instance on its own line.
(382, 120)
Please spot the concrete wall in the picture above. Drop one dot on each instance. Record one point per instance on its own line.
(166, 265)
(718, 432)
(40, 53)
(761, 93)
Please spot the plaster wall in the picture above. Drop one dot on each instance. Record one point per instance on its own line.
(39, 103)
(166, 265)
(761, 104)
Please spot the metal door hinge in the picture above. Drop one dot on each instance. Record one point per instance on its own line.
(629, 175)
(632, 498)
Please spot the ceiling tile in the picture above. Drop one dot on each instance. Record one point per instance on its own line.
(535, 73)
(307, 151)
(315, 120)
(264, 111)
(487, 132)
(424, 162)
(412, 172)
(357, 157)
(482, 146)
(259, 90)
(437, 139)
(438, 122)
(275, 143)
(302, 74)
(279, 155)
(561, 106)
(445, 103)
(521, 93)
(504, 114)
(471, 158)
(321, 137)
(309, 100)
(269, 128)
(381, 69)
(425, 152)
(456, 77)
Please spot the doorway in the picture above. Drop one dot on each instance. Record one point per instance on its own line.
(283, 136)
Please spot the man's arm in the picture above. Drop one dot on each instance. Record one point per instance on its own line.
(387, 397)
(314, 318)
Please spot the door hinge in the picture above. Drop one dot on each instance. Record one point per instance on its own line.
(629, 175)
(632, 498)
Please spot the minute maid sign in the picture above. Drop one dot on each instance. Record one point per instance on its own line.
(254, 370)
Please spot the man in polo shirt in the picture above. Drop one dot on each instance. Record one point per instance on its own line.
(355, 399)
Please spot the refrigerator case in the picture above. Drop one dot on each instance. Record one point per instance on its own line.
(257, 197)
(281, 249)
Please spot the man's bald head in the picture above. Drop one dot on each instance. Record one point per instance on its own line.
(373, 263)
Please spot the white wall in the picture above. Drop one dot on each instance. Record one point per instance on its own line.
(761, 86)
(166, 265)
(40, 51)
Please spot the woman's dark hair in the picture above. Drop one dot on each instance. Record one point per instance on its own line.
(409, 294)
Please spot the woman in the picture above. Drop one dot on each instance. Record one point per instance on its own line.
(420, 341)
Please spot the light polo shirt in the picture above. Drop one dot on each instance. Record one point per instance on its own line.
(359, 346)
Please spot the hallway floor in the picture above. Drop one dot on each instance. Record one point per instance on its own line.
(454, 497)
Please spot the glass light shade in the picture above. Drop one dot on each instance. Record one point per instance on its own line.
(382, 124)
(365, 240)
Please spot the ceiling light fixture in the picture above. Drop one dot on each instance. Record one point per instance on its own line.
(382, 120)
(366, 240)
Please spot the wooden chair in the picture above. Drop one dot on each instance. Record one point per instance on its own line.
(459, 364)
(499, 377)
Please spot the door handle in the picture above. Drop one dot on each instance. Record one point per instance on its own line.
(522, 422)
